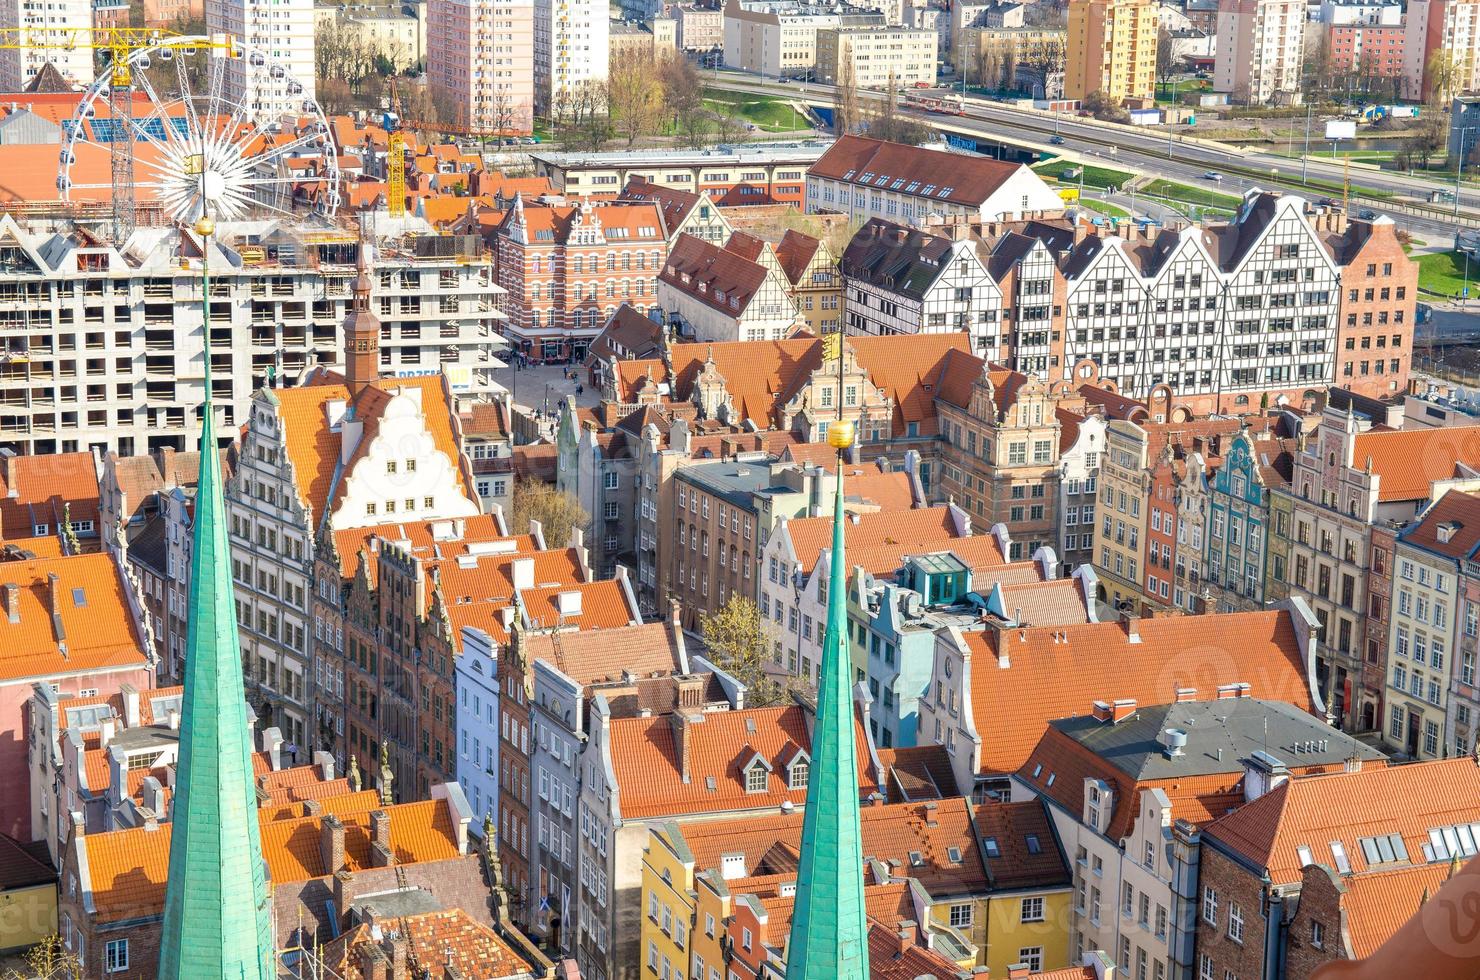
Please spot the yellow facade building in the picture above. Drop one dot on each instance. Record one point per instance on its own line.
(1112, 49)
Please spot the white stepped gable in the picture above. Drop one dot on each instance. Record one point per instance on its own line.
(402, 464)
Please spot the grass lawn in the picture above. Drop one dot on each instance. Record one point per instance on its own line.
(772, 115)
(1186, 194)
(1105, 208)
(1443, 273)
(1093, 176)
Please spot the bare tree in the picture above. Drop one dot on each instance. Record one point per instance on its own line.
(581, 113)
(558, 513)
(846, 116)
(1104, 106)
(634, 97)
(1443, 75)
(682, 89)
(1166, 57)
(739, 641)
(886, 123)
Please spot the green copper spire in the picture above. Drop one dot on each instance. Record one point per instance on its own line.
(829, 927)
(216, 921)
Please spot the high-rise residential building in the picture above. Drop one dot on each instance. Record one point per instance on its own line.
(276, 75)
(1441, 31)
(18, 66)
(1112, 49)
(480, 61)
(1260, 50)
(571, 54)
(880, 56)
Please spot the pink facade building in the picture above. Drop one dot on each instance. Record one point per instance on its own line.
(1371, 50)
(480, 63)
(1444, 28)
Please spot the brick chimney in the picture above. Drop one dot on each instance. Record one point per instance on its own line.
(683, 723)
(1239, 690)
(690, 691)
(906, 935)
(1186, 694)
(331, 843)
(13, 602)
(373, 962)
(1115, 711)
(381, 855)
(1019, 971)
(399, 956)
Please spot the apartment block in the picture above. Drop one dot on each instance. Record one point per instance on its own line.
(759, 173)
(1111, 49)
(480, 59)
(1375, 328)
(278, 73)
(1260, 52)
(778, 38)
(571, 54)
(881, 57)
(19, 66)
(1447, 29)
(1368, 49)
(103, 349)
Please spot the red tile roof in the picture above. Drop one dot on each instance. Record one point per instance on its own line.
(1058, 672)
(1457, 516)
(877, 539)
(717, 277)
(590, 656)
(42, 490)
(450, 938)
(1312, 811)
(970, 179)
(650, 775)
(1015, 826)
(889, 958)
(429, 539)
(1378, 902)
(1408, 461)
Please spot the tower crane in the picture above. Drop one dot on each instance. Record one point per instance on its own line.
(122, 44)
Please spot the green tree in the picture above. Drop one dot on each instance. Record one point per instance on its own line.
(739, 641)
(557, 512)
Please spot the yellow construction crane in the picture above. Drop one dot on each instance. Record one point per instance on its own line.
(121, 44)
(395, 156)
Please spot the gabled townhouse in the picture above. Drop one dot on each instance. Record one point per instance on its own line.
(1375, 326)
(1346, 827)
(1028, 265)
(900, 280)
(1001, 435)
(53, 497)
(984, 886)
(550, 678)
(796, 559)
(808, 268)
(336, 453)
(684, 212)
(1123, 783)
(710, 292)
(680, 769)
(1082, 447)
(1238, 520)
(630, 334)
(993, 690)
(868, 178)
(1353, 483)
(1428, 668)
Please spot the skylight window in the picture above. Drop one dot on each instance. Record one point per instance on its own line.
(1033, 846)
(1338, 854)
(928, 190)
(1303, 853)
(989, 844)
(945, 192)
(849, 174)
(911, 189)
(953, 854)
(1385, 849)
(868, 175)
(898, 183)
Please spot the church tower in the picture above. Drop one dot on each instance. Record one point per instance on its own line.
(217, 920)
(361, 327)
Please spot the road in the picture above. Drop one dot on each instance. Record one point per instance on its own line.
(1138, 150)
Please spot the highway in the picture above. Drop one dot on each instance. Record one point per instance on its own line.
(1153, 152)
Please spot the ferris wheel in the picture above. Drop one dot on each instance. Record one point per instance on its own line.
(195, 149)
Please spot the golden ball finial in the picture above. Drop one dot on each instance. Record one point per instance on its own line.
(205, 225)
(840, 434)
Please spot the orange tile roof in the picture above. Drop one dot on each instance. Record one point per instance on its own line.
(314, 449)
(650, 778)
(761, 375)
(890, 833)
(475, 593)
(870, 539)
(604, 606)
(1407, 461)
(1058, 602)
(115, 701)
(128, 868)
(1313, 810)
(91, 606)
(888, 491)
(1379, 902)
(643, 222)
(37, 490)
(1017, 866)
(451, 938)
(594, 654)
(919, 772)
(428, 539)
(1058, 672)
(890, 959)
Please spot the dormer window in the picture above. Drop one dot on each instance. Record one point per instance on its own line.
(796, 776)
(755, 777)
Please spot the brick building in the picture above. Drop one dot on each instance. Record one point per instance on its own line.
(566, 269)
(1374, 333)
(1252, 920)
